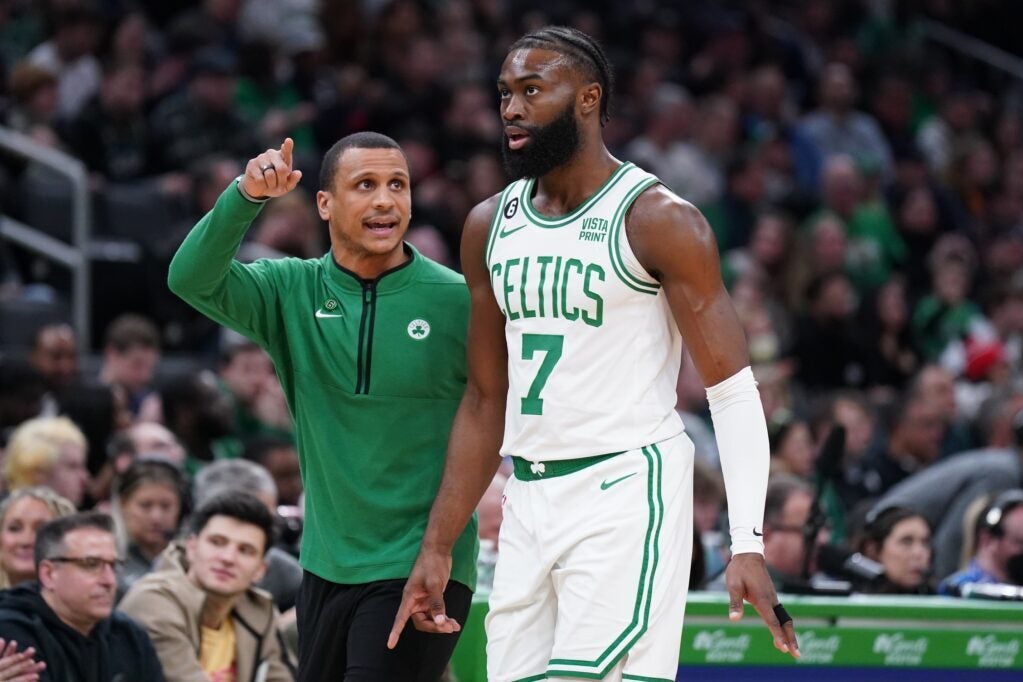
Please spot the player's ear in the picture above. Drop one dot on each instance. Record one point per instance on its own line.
(589, 98)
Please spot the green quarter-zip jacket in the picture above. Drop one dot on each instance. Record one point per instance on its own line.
(373, 371)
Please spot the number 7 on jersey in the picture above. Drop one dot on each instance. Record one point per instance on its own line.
(551, 345)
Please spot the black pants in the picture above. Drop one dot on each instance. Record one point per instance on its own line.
(343, 629)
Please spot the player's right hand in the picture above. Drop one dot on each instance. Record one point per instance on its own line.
(423, 597)
(271, 174)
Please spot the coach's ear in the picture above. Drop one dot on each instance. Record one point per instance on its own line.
(324, 200)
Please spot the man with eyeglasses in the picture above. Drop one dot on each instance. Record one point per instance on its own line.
(68, 616)
(787, 510)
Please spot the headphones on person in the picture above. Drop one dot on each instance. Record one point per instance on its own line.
(997, 510)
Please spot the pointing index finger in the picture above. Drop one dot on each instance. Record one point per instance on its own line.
(286, 149)
(400, 619)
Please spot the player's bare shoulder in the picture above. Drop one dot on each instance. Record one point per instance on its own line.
(662, 227)
(475, 233)
(481, 216)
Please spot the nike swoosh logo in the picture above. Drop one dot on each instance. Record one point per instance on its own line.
(320, 313)
(759, 535)
(607, 484)
(506, 232)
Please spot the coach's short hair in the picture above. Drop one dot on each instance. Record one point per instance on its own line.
(363, 140)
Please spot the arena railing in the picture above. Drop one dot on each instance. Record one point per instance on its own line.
(74, 256)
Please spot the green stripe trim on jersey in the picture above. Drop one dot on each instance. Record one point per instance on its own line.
(562, 667)
(644, 678)
(523, 467)
(614, 247)
(494, 220)
(561, 221)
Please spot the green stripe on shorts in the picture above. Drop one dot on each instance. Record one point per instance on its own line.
(597, 669)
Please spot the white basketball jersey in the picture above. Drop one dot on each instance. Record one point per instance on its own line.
(593, 349)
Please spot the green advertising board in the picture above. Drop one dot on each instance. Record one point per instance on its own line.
(852, 633)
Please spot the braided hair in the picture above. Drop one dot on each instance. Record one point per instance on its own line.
(584, 51)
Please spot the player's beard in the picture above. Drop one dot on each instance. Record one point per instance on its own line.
(549, 146)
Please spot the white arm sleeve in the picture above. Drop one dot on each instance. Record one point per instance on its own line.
(741, 432)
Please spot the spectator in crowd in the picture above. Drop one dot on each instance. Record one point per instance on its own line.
(829, 351)
(899, 539)
(936, 385)
(670, 118)
(201, 416)
(68, 55)
(946, 313)
(33, 109)
(772, 115)
(283, 573)
(99, 411)
(22, 394)
(48, 451)
(55, 355)
(131, 351)
(943, 492)
(201, 119)
(914, 440)
(110, 134)
(856, 480)
(787, 511)
(874, 247)
(892, 357)
(201, 606)
(708, 503)
(247, 375)
(150, 499)
(837, 128)
(68, 616)
(792, 449)
(941, 134)
(278, 456)
(22, 513)
(146, 439)
(999, 544)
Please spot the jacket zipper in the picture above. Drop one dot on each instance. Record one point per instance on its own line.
(365, 360)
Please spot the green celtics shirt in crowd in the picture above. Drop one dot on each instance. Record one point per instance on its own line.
(373, 371)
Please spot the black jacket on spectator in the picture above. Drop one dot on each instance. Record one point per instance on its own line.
(117, 650)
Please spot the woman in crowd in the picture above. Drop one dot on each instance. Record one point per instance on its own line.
(21, 514)
(48, 451)
(149, 502)
(900, 540)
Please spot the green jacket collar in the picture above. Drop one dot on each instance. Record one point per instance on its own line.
(390, 280)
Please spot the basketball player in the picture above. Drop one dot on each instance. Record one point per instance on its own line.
(582, 273)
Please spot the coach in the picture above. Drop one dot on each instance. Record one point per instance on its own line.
(369, 345)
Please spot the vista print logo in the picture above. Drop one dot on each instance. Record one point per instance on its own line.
(992, 652)
(720, 647)
(899, 650)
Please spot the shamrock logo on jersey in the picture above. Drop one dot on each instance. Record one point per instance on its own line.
(418, 329)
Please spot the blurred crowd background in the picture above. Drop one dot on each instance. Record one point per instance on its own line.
(862, 172)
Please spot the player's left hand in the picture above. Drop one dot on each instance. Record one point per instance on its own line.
(747, 578)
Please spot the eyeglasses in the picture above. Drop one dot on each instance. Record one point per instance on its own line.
(89, 564)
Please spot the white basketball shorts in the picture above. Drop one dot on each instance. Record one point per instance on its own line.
(593, 568)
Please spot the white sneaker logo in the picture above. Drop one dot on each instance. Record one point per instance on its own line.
(418, 329)
(328, 309)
